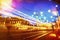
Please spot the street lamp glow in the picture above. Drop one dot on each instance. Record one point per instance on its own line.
(36, 16)
(56, 5)
(41, 13)
(51, 16)
(44, 18)
(34, 13)
(49, 10)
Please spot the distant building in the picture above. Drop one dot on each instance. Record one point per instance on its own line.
(13, 20)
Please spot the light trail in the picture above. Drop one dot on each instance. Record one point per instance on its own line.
(11, 9)
(41, 36)
(9, 15)
(29, 33)
(38, 33)
(23, 15)
(3, 6)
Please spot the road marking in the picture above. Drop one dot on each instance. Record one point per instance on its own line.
(41, 36)
(39, 33)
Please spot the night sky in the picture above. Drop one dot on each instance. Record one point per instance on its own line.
(43, 10)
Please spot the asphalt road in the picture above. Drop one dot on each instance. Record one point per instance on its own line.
(26, 35)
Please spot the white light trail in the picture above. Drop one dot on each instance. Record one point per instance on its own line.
(7, 14)
(22, 14)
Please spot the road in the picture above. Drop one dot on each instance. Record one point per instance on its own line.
(25, 35)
